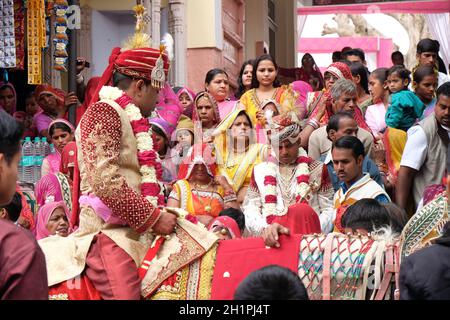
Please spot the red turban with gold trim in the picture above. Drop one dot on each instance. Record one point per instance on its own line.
(137, 63)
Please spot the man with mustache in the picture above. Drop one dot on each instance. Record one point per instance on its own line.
(340, 125)
(425, 154)
(289, 191)
(348, 157)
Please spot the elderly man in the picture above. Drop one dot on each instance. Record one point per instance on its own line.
(284, 188)
(344, 98)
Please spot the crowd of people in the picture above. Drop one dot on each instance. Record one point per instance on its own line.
(351, 150)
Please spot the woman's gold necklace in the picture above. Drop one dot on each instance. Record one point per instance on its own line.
(258, 101)
(197, 187)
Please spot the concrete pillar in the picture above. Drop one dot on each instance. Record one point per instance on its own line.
(286, 19)
(177, 27)
(156, 20)
(256, 27)
(84, 43)
(148, 6)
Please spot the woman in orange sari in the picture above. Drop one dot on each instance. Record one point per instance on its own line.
(199, 190)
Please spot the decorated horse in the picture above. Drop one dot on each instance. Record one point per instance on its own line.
(332, 267)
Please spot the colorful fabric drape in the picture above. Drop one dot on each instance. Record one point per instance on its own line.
(196, 202)
(53, 188)
(394, 141)
(26, 218)
(35, 39)
(19, 33)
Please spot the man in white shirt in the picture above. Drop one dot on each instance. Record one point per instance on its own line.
(425, 153)
(427, 55)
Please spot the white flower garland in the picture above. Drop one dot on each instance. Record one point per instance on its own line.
(143, 139)
(301, 189)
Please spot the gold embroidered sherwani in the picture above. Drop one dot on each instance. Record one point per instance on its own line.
(109, 169)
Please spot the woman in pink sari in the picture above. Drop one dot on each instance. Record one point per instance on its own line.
(218, 86)
(55, 187)
(53, 219)
(62, 132)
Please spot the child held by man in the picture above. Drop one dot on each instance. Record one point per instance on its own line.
(405, 107)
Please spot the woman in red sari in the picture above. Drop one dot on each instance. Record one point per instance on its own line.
(309, 72)
(199, 190)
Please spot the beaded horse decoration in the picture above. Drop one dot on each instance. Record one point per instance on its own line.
(424, 226)
(348, 267)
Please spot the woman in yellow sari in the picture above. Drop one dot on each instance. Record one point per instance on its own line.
(265, 86)
(393, 141)
(199, 190)
(235, 151)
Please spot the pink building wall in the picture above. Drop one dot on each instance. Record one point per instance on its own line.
(229, 58)
(381, 46)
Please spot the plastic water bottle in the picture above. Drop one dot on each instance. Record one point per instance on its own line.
(38, 158)
(52, 148)
(20, 167)
(45, 147)
(28, 160)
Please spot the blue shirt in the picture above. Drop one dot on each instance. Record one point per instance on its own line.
(368, 167)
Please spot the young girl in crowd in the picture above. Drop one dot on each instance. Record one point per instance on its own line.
(186, 97)
(162, 144)
(359, 75)
(61, 132)
(375, 114)
(265, 86)
(245, 78)
(31, 105)
(184, 139)
(425, 81)
(405, 107)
